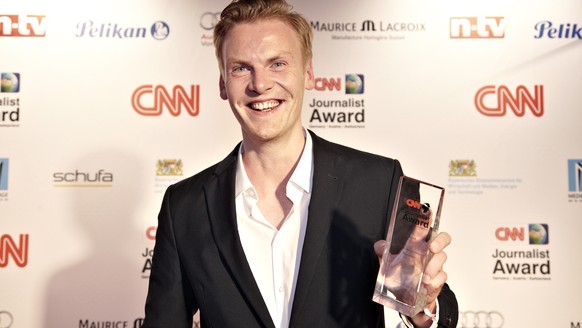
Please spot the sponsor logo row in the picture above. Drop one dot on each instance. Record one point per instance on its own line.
(463, 27)
(458, 169)
(153, 100)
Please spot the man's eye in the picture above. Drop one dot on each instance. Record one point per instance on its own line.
(278, 64)
(240, 69)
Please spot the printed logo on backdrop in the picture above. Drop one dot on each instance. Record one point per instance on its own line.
(344, 109)
(550, 30)
(463, 180)
(6, 319)
(207, 22)
(4, 179)
(168, 172)
(137, 323)
(575, 180)
(477, 27)
(14, 250)
(153, 100)
(147, 255)
(159, 30)
(87, 323)
(497, 101)
(83, 179)
(9, 100)
(22, 25)
(376, 30)
(524, 254)
(481, 319)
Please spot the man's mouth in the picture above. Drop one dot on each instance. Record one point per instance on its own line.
(264, 106)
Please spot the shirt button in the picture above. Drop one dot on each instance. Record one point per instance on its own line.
(280, 289)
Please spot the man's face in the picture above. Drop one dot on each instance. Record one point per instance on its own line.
(264, 78)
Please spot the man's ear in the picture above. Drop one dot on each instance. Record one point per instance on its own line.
(309, 77)
(222, 87)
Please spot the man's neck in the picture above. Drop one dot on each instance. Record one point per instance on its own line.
(269, 166)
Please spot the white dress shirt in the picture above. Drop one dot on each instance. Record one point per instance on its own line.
(274, 254)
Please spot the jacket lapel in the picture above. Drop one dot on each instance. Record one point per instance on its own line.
(326, 191)
(221, 208)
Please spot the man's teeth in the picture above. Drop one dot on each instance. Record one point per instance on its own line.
(264, 106)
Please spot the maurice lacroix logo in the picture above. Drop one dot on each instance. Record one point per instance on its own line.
(378, 30)
(9, 102)
(159, 30)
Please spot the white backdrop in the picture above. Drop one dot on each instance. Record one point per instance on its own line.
(98, 115)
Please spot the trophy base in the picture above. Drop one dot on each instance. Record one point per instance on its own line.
(383, 296)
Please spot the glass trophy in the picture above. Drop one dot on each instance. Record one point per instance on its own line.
(413, 225)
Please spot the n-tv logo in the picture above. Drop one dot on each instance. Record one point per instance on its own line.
(150, 100)
(493, 100)
(477, 27)
(9, 248)
(22, 25)
(3, 173)
(354, 84)
(575, 175)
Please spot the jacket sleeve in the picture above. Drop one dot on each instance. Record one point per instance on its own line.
(448, 308)
(169, 302)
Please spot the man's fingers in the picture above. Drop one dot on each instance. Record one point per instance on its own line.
(440, 242)
(379, 247)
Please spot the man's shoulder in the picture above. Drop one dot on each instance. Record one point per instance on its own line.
(198, 180)
(323, 147)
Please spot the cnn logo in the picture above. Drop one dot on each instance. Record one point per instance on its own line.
(150, 100)
(493, 100)
(11, 249)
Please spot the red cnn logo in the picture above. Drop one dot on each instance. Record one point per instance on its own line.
(149, 100)
(8, 249)
(151, 232)
(413, 203)
(500, 98)
(22, 25)
(504, 234)
(322, 84)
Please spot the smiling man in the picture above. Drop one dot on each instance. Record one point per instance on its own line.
(282, 232)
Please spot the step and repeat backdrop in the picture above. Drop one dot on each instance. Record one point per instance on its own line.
(104, 104)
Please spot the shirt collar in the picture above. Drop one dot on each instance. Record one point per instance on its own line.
(301, 177)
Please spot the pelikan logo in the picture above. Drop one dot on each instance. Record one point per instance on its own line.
(159, 30)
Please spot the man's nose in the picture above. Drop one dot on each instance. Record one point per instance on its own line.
(261, 81)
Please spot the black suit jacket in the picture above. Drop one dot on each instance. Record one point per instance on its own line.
(199, 262)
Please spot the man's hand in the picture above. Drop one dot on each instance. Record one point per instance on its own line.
(434, 277)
